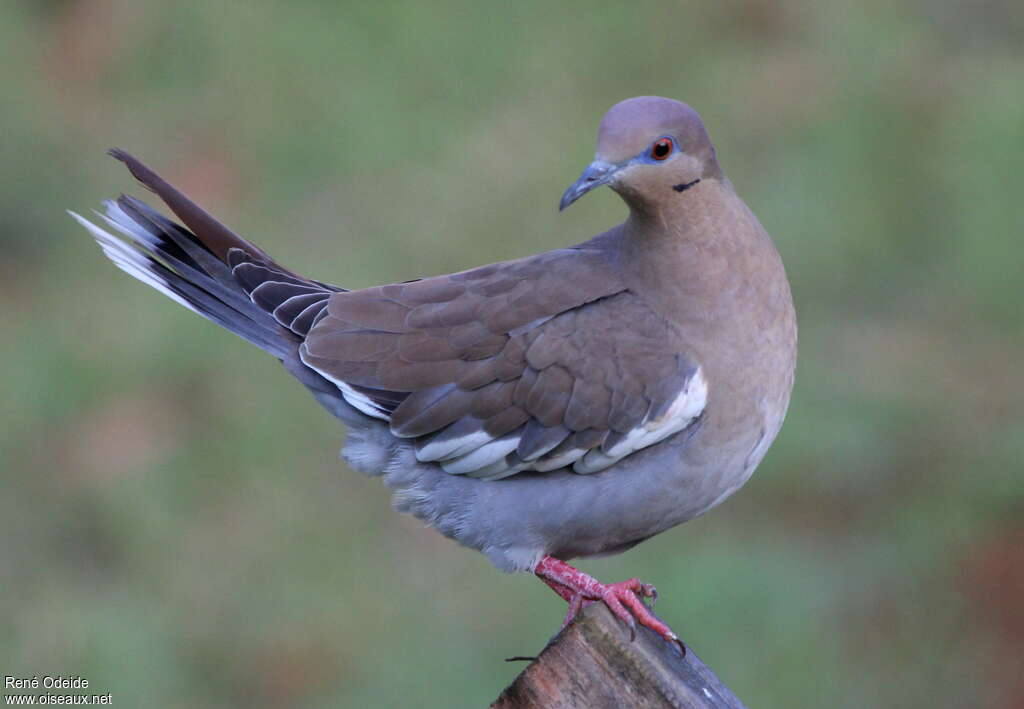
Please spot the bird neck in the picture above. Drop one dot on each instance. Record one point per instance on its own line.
(702, 245)
(693, 213)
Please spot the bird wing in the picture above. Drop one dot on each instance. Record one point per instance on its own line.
(536, 364)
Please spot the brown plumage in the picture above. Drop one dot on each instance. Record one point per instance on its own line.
(570, 403)
(535, 342)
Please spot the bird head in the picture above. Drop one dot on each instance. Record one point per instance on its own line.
(650, 150)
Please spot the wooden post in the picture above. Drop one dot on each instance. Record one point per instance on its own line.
(592, 664)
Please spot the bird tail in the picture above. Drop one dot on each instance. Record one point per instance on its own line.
(215, 273)
(161, 254)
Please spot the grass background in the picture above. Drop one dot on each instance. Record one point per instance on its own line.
(175, 525)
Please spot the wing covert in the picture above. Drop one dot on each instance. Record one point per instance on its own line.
(535, 364)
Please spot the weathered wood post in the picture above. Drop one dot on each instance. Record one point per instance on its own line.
(593, 665)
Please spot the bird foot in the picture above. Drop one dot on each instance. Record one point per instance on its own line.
(624, 598)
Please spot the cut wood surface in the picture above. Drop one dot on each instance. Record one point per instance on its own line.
(592, 664)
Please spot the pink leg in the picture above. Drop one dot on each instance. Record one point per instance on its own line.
(622, 599)
(564, 591)
(574, 599)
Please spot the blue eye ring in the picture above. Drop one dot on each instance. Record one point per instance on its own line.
(662, 148)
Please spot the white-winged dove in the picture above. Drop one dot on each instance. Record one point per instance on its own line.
(568, 404)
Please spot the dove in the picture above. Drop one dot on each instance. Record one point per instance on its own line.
(568, 404)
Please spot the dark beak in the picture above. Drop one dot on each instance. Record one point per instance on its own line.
(597, 173)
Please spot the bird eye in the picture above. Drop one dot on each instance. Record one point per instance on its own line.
(661, 149)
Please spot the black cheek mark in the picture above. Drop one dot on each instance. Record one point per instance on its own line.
(685, 186)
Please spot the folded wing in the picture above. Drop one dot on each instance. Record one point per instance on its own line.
(535, 365)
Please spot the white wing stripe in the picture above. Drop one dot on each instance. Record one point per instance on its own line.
(687, 406)
(484, 456)
(359, 401)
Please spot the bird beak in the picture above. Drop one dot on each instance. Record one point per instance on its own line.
(597, 173)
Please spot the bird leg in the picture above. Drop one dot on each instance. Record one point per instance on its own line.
(574, 599)
(623, 598)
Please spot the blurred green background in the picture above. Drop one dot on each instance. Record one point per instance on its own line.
(174, 523)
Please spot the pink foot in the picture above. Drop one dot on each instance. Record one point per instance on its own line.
(575, 600)
(622, 599)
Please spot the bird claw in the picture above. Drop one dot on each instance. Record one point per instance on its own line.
(575, 605)
(623, 599)
(614, 597)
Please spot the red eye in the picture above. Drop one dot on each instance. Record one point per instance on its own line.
(661, 149)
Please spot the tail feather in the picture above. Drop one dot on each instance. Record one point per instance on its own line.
(188, 256)
(219, 275)
(160, 259)
(289, 311)
(214, 235)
